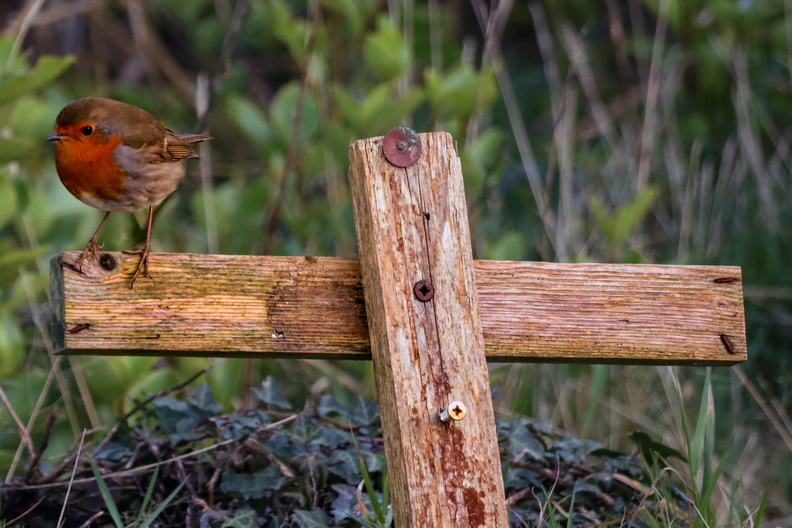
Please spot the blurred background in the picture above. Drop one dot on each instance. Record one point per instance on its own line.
(653, 131)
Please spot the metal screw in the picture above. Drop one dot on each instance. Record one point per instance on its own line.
(423, 290)
(728, 344)
(402, 146)
(456, 411)
(107, 261)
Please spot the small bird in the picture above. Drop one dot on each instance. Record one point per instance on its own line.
(117, 157)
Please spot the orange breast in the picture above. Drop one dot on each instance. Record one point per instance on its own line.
(86, 166)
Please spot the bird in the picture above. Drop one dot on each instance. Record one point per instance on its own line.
(117, 157)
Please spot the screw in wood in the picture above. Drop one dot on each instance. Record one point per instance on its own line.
(727, 343)
(456, 411)
(107, 261)
(402, 146)
(423, 290)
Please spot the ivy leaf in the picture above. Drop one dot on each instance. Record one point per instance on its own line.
(270, 393)
(309, 519)
(203, 398)
(254, 485)
(365, 412)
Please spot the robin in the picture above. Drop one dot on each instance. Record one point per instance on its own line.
(117, 157)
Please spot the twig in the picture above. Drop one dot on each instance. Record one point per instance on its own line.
(25, 513)
(652, 97)
(776, 419)
(71, 480)
(25, 20)
(140, 405)
(256, 446)
(34, 460)
(141, 469)
(23, 432)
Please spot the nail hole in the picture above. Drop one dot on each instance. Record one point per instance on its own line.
(107, 261)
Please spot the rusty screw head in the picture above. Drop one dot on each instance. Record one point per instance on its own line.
(456, 411)
(107, 261)
(423, 290)
(402, 146)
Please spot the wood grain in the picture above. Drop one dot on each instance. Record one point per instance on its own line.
(222, 305)
(411, 226)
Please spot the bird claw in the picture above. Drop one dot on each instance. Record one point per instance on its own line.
(142, 265)
(91, 251)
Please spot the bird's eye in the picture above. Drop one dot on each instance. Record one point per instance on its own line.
(87, 131)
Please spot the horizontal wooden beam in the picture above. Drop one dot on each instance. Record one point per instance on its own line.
(312, 307)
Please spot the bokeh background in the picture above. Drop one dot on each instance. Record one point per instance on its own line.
(652, 131)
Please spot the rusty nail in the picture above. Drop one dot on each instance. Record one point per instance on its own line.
(71, 267)
(402, 146)
(727, 343)
(423, 290)
(456, 411)
(107, 261)
(724, 280)
(78, 328)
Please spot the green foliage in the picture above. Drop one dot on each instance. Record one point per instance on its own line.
(618, 226)
(385, 52)
(263, 467)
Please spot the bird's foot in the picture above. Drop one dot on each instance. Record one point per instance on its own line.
(91, 251)
(142, 265)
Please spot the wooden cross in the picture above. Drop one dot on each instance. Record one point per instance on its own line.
(416, 303)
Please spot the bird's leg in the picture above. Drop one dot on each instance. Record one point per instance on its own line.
(144, 253)
(92, 248)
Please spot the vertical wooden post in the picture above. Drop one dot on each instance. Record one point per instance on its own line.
(412, 226)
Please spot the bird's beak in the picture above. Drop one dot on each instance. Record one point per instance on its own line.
(55, 137)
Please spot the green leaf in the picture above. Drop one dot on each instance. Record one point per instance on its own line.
(8, 197)
(46, 70)
(164, 504)
(304, 430)
(510, 246)
(309, 519)
(11, 349)
(15, 149)
(243, 518)
(106, 496)
(365, 412)
(618, 226)
(345, 464)
(380, 111)
(254, 485)
(385, 53)
(283, 113)
(329, 405)
(203, 398)
(270, 393)
(249, 118)
(149, 492)
(650, 449)
(461, 92)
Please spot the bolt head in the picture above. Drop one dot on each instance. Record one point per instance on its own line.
(423, 290)
(457, 410)
(402, 146)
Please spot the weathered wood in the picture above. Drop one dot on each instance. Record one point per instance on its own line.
(221, 305)
(411, 226)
